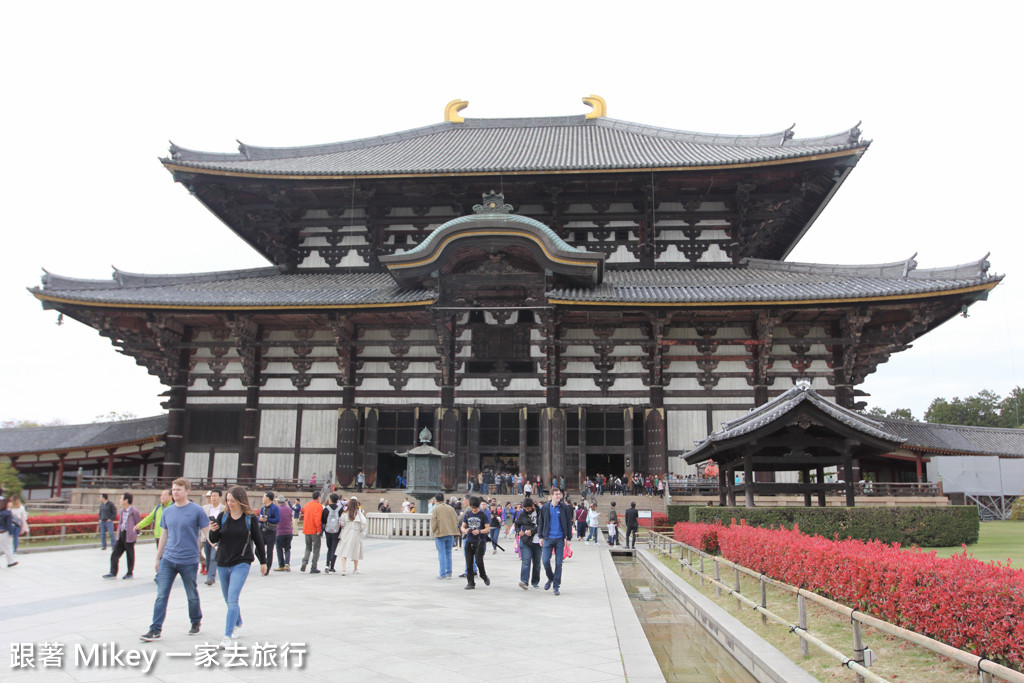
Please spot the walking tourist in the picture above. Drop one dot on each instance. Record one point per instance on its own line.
(6, 526)
(312, 527)
(353, 529)
(19, 521)
(527, 527)
(331, 520)
(270, 517)
(284, 537)
(580, 515)
(178, 555)
(126, 537)
(214, 509)
(495, 533)
(632, 524)
(360, 481)
(593, 523)
(444, 527)
(236, 533)
(107, 515)
(555, 526)
(155, 515)
(475, 528)
(613, 526)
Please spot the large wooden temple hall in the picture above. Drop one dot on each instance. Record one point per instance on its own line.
(553, 296)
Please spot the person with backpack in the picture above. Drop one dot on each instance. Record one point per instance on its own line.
(237, 534)
(331, 520)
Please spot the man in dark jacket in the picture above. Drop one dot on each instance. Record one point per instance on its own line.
(554, 528)
(527, 526)
(632, 524)
(108, 513)
(270, 517)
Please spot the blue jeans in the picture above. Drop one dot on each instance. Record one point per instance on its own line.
(231, 581)
(15, 536)
(495, 534)
(592, 534)
(558, 544)
(164, 580)
(107, 529)
(444, 554)
(211, 561)
(529, 552)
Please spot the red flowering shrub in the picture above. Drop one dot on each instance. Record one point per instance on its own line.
(40, 525)
(701, 536)
(971, 605)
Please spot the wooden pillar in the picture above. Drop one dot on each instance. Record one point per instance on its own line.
(820, 472)
(748, 480)
(631, 457)
(60, 473)
(174, 462)
(848, 477)
(723, 485)
(472, 444)
(805, 477)
(919, 462)
(250, 428)
(581, 413)
(523, 438)
(732, 486)
(110, 461)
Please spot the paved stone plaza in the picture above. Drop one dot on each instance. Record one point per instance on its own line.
(393, 621)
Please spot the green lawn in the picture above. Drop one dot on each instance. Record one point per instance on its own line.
(997, 542)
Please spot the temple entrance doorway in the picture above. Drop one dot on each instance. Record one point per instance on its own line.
(609, 464)
(389, 466)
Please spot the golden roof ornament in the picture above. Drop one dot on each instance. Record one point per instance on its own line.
(452, 109)
(598, 105)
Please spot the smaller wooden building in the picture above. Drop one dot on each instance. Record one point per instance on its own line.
(796, 431)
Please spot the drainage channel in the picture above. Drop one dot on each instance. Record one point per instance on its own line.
(685, 651)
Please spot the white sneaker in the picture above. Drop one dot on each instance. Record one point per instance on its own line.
(239, 630)
(225, 644)
(356, 571)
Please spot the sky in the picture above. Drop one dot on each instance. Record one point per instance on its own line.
(94, 92)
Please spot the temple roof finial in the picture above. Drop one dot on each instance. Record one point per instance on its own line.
(600, 107)
(493, 202)
(452, 109)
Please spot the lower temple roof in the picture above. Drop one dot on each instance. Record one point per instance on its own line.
(754, 282)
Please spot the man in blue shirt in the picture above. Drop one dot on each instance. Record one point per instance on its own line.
(178, 554)
(555, 528)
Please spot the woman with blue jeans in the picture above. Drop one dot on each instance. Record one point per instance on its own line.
(594, 523)
(237, 532)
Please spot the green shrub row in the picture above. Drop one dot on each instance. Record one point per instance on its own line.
(928, 527)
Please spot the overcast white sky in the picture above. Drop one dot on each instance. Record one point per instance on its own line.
(95, 90)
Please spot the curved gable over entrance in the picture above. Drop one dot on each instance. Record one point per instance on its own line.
(496, 243)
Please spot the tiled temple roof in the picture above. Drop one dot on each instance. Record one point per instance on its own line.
(777, 408)
(753, 282)
(957, 439)
(567, 143)
(64, 438)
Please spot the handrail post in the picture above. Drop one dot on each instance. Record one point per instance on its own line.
(858, 646)
(736, 573)
(63, 533)
(702, 570)
(764, 598)
(718, 579)
(801, 609)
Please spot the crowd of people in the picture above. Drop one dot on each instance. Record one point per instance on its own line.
(636, 485)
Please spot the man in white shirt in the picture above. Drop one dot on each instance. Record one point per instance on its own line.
(212, 510)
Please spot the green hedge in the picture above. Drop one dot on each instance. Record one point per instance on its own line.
(678, 513)
(928, 527)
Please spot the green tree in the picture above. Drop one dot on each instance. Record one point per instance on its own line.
(1011, 409)
(9, 480)
(981, 410)
(898, 414)
(114, 416)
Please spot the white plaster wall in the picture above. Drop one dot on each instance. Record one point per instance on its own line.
(277, 428)
(684, 427)
(274, 465)
(225, 465)
(319, 429)
(196, 466)
(322, 464)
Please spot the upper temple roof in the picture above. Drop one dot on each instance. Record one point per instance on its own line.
(756, 281)
(548, 144)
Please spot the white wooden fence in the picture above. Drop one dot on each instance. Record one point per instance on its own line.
(400, 525)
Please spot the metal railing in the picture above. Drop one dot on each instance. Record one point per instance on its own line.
(252, 484)
(709, 487)
(986, 669)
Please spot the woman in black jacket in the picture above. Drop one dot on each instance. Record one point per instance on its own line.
(237, 533)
